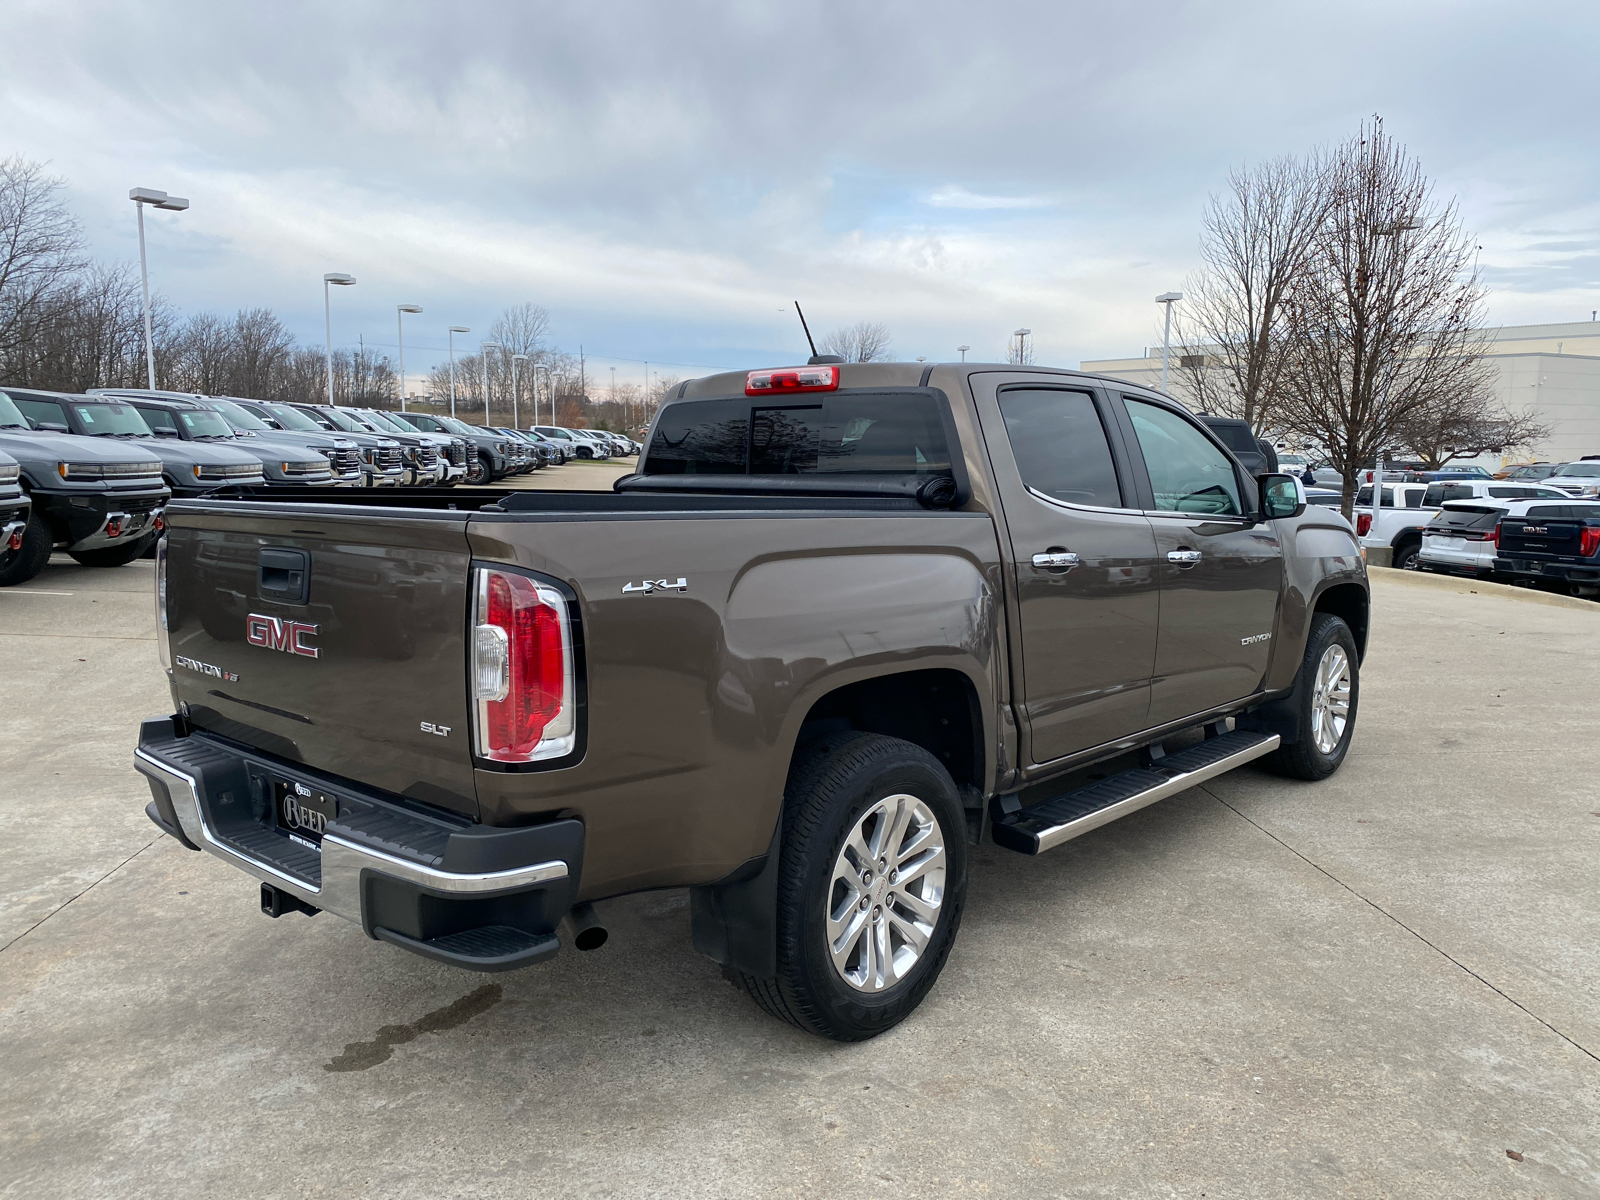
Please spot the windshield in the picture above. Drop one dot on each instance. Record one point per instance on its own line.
(293, 418)
(343, 420)
(203, 423)
(461, 427)
(10, 415)
(1579, 468)
(111, 420)
(237, 416)
(384, 422)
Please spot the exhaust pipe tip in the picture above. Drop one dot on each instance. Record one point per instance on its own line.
(587, 931)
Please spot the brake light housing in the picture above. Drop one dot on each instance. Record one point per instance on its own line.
(524, 678)
(1363, 524)
(792, 379)
(1589, 541)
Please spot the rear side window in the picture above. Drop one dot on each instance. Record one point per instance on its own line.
(1060, 446)
(1438, 493)
(846, 433)
(1514, 493)
(43, 410)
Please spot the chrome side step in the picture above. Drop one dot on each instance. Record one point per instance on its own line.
(1044, 826)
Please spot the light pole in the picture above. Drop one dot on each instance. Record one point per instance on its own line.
(963, 350)
(515, 418)
(483, 350)
(1022, 345)
(141, 197)
(1169, 299)
(400, 325)
(342, 280)
(454, 329)
(545, 367)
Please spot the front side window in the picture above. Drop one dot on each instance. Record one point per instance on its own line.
(40, 411)
(1060, 446)
(1187, 472)
(159, 419)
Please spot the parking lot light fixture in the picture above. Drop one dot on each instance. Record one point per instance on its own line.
(1169, 299)
(399, 320)
(454, 329)
(337, 279)
(484, 353)
(515, 416)
(545, 367)
(963, 351)
(156, 199)
(1022, 344)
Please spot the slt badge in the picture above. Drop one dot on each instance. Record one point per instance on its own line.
(651, 586)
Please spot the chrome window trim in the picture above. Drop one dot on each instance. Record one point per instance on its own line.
(1088, 508)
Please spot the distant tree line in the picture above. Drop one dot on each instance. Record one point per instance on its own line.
(68, 323)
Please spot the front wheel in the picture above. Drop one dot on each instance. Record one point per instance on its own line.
(1326, 694)
(871, 883)
(479, 471)
(20, 565)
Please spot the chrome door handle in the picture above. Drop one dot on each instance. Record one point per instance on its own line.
(1184, 558)
(1057, 560)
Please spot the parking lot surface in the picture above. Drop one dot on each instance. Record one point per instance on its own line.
(1376, 986)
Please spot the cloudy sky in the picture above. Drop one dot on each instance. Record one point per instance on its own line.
(665, 178)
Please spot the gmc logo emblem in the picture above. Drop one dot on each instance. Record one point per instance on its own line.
(274, 633)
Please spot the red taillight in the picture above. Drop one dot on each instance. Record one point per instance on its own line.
(522, 671)
(1363, 524)
(1589, 542)
(792, 379)
(1493, 536)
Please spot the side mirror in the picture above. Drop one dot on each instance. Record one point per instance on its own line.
(163, 433)
(51, 427)
(1280, 497)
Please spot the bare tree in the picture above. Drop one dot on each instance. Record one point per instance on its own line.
(1465, 425)
(865, 341)
(1383, 317)
(261, 351)
(1019, 350)
(41, 250)
(1233, 323)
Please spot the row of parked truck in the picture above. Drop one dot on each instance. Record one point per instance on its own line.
(91, 474)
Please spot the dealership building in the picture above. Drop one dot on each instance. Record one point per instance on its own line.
(1552, 370)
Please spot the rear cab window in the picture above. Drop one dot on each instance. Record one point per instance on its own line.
(845, 432)
(1060, 445)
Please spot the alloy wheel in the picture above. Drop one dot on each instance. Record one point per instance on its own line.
(1330, 699)
(886, 893)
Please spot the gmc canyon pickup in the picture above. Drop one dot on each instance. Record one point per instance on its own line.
(844, 622)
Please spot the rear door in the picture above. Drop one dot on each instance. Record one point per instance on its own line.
(1221, 574)
(333, 639)
(1083, 560)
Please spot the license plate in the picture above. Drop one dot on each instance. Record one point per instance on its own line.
(1449, 543)
(303, 812)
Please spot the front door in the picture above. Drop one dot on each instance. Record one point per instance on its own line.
(1221, 573)
(1083, 559)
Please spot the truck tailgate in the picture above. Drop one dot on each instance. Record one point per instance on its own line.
(357, 667)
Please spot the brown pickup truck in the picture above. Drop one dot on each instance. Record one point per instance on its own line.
(845, 622)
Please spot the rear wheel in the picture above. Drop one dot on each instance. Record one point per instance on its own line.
(1405, 556)
(1326, 694)
(19, 566)
(113, 556)
(872, 880)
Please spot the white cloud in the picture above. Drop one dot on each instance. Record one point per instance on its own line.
(953, 195)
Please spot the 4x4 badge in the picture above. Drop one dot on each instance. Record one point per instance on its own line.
(650, 586)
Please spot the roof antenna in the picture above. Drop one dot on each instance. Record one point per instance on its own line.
(815, 357)
(807, 328)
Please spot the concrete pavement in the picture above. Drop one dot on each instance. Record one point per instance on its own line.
(1374, 986)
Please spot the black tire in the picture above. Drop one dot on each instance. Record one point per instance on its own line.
(479, 472)
(1305, 759)
(834, 783)
(113, 556)
(1405, 556)
(22, 565)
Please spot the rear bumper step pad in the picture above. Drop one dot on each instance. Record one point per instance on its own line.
(1044, 826)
